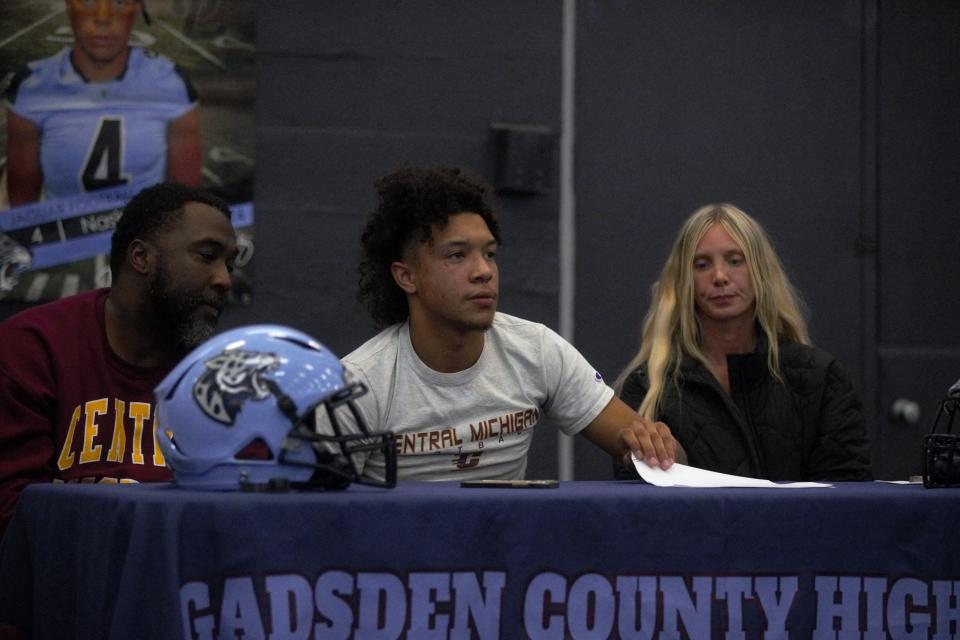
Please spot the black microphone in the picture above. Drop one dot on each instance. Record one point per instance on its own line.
(954, 391)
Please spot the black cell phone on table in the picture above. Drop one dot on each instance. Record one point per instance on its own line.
(511, 484)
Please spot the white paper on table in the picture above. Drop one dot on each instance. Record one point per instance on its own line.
(681, 475)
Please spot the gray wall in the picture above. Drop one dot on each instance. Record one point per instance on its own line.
(350, 90)
(918, 203)
(681, 104)
(833, 122)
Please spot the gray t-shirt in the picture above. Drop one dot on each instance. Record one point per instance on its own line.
(477, 423)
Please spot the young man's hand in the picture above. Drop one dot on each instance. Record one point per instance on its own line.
(621, 431)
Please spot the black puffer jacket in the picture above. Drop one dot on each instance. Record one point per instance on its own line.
(810, 427)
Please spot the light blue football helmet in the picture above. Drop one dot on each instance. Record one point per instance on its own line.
(239, 413)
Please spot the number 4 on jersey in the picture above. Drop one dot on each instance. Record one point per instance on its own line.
(102, 167)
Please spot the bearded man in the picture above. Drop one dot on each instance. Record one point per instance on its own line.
(77, 375)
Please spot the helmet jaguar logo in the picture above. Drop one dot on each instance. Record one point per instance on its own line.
(230, 379)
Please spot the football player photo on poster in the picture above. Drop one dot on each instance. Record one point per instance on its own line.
(103, 98)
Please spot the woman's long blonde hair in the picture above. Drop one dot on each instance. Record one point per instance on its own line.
(671, 327)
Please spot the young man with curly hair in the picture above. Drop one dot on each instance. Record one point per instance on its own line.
(460, 384)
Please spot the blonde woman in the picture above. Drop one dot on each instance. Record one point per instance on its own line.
(725, 360)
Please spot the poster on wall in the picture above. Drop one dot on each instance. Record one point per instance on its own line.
(103, 98)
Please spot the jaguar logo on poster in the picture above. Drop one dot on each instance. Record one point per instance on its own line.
(14, 260)
(231, 379)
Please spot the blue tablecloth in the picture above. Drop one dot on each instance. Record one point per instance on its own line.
(585, 560)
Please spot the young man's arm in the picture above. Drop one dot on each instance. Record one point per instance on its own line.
(184, 149)
(24, 175)
(620, 431)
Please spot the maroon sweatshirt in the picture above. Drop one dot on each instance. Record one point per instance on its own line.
(70, 409)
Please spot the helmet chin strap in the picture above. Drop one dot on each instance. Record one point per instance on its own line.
(285, 402)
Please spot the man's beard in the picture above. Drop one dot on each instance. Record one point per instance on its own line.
(180, 310)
